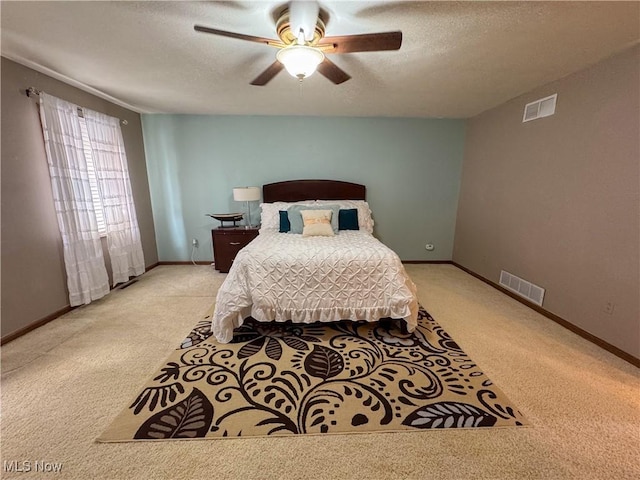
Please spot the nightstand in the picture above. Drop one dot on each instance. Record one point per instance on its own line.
(227, 242)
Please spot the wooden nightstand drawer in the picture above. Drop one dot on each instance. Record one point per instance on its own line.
(227, 242)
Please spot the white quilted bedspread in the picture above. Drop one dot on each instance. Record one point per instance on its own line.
(281, 276)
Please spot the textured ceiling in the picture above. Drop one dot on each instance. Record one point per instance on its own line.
(457, 58)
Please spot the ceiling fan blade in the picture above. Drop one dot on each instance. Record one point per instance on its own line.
(266, 76)
(333, 72)
(239, 36)
(368, 42)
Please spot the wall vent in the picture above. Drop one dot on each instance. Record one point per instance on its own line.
(544, 107)
(521, 287)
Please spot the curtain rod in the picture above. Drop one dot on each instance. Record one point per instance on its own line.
(32, 91)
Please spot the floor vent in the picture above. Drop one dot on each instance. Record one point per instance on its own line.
(544, 107)
(525, 289)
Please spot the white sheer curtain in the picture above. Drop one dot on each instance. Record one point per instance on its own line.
(87, 278)
(110, 161)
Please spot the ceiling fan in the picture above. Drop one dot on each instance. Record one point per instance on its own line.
(303, 47)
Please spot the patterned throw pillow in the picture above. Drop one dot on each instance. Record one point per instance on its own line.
(317, 223)
(295, 218)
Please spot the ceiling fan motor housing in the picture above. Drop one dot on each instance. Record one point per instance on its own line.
(283, 28)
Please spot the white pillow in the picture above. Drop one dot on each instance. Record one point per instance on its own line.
(365, 222)
(316, 223)
(270, 216)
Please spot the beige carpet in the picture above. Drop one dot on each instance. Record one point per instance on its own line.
(291, 379)
(64, 383)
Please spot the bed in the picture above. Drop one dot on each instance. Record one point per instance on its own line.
(305, 279)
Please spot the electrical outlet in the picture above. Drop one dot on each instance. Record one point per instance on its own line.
(194, 242)
(608, 308)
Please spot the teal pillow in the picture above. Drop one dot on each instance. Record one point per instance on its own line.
(348, 219)
(285, 226)
(295, 217)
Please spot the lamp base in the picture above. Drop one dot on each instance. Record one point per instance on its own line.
(248, 223)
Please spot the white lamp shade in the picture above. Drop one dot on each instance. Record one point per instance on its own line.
(299, 60)
(246, 194)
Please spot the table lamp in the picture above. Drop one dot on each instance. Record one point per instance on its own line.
(246, 194)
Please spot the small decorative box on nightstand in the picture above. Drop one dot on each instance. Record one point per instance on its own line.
(227, 242)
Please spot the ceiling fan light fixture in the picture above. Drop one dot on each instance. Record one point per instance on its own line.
(300, 60)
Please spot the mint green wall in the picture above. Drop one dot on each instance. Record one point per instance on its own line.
(411, 168)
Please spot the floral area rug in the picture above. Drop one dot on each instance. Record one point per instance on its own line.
(285, 379)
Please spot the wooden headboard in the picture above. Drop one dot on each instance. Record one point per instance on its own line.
(297, 190)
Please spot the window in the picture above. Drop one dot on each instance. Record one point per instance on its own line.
(90, 196)
(93, 179)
